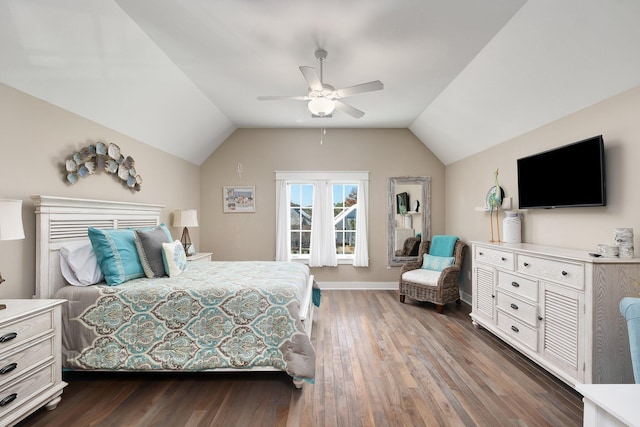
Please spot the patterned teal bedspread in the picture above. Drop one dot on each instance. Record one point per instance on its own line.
(214, 315)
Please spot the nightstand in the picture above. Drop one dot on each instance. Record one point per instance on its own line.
(30, 357)
(200, 256)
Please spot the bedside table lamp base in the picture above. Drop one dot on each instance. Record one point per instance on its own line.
(186, 241)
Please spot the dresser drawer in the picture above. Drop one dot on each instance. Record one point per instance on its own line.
(517, 308)
(24, 329)
(518, 330)
(13, 364)
(565, 272)
(22, 390)
(495, 257)
(521, 286)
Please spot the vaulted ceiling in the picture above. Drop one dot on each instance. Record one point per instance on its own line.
(462, 75)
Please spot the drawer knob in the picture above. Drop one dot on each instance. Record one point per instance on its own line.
(515, 307)
(564, 273)
(540, 318)
(515, 329)
(503, 258)
(480, 253)
(8, 337)
(515, 284)
(10, 367)
(8, 399)
(526, 264)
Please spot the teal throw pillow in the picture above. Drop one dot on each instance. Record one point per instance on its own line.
(116, 254)
(437, 263)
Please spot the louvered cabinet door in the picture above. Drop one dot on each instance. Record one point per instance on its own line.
(561, 328)
(484, 292)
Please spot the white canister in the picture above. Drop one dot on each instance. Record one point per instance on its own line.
(512, 228)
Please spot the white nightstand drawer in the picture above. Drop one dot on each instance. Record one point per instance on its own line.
(495, 257)
(15, 363)
(17, 332)
(517, 308)
(20, 391)
(518, 285)
(518, 330)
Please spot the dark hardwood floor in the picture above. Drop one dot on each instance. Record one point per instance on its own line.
(379, 363)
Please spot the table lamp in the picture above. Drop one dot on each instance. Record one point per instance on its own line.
(10, 224)
(185, 218)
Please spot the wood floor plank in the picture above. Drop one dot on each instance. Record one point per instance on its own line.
(379, 363)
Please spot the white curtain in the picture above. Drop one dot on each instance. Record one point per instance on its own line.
(361, 254)
(283, 240)
(322, 252)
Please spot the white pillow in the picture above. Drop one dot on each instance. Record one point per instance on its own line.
(79, 265)
(174, 258)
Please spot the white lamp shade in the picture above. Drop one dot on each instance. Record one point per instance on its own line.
(185, 218)
(11, 220)
(321, 106)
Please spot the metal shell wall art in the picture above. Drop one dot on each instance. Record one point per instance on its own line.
(102, 156)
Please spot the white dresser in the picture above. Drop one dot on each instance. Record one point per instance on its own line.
(559, 307)
(30, 358)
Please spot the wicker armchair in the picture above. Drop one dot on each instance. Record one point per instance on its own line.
(444, 288)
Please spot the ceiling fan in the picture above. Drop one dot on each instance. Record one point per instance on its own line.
(324, 98)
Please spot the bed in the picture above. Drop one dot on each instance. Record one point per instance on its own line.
(212, 316)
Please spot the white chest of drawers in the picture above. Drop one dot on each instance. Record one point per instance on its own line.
(30, 358)
(559, 307)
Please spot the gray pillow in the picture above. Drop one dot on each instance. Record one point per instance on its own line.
(149, 246)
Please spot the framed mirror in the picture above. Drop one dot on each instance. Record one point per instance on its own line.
(409, 215)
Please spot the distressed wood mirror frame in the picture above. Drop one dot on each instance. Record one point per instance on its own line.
(399, 184)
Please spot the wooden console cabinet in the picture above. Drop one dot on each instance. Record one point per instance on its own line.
(559, 307)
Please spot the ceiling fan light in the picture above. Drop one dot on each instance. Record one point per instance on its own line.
(321, 106)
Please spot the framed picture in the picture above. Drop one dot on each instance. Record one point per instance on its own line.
(238, 199)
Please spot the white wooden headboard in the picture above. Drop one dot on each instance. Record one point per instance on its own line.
(61, 220)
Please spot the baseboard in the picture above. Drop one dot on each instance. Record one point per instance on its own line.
(349, 286)
(465, 297)
(367, 286)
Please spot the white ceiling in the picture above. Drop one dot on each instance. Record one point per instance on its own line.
(462, 75)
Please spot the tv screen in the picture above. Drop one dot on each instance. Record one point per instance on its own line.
(569, 176)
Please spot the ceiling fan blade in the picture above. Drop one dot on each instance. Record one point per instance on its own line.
(348, 109)
(361, 88)
(311, 76)
(279, 98)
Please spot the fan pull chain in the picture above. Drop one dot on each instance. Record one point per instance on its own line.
(323, 132)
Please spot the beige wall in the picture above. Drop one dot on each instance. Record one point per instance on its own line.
(36, 138)
(468, 180)
(382, 152)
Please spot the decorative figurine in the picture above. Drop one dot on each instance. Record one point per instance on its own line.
(494, 201)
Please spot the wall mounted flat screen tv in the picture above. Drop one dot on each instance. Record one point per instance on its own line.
(569, 176)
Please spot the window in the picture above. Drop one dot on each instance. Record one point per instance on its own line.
(345, 205)
(301, 212)
(321, 217)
